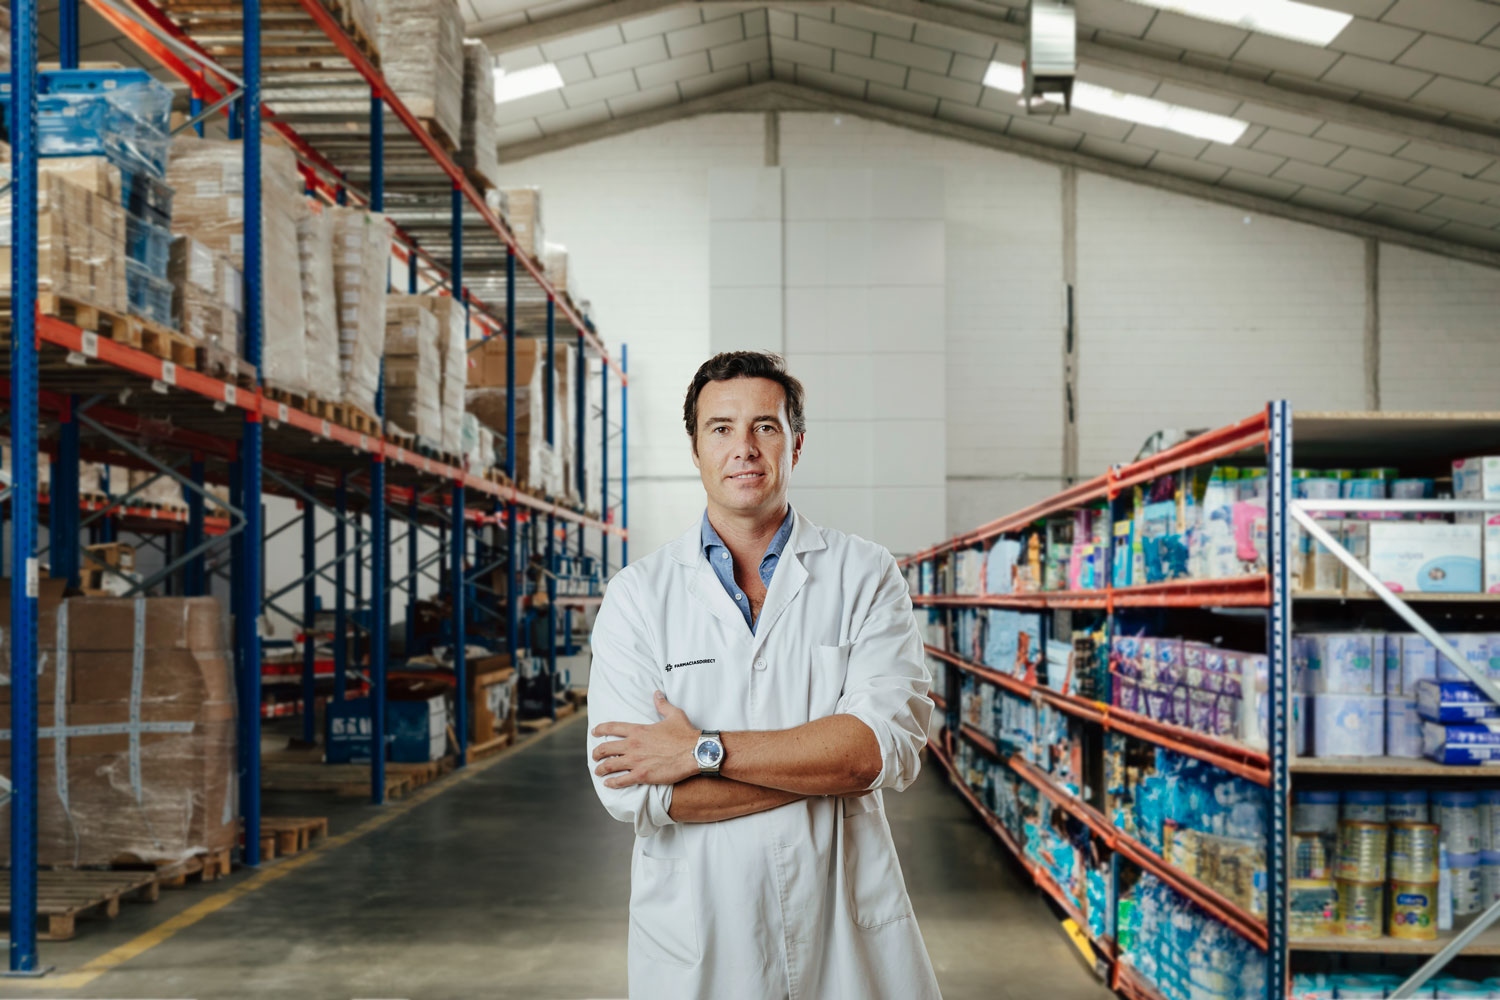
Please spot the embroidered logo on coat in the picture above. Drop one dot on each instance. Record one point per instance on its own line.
(688, 663)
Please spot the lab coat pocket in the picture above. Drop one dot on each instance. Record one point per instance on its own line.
(872, 874)
(825, 685)
(662, 910)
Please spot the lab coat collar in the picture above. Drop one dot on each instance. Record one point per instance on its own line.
(785, 585)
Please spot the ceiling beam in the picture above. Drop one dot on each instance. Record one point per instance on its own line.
(1208, 81)
(775, 95)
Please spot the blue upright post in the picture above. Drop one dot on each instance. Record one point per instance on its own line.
(604, 472)
(549, 371)
(195, 573)
(460, 620)
(512, 512)
(67, 34)
(65, 543)
(580, 416)
(247, 615)
(195, 108)
(309, 618)
(551, 616)
(624, 455)
(340, 589)
(412, 539)
(1278, 649)
(379, 563)
(23, 511)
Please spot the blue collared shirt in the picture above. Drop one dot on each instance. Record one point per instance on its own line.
(722, 561)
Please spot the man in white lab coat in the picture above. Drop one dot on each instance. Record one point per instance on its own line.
(756, 686)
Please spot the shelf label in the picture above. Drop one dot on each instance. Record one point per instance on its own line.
(169, 373)
(231, 395)
(90, 344)
(364, 443)
(157, 385)
(281, 412)
(401, 455)
(155, 513)
(327, 431)
(33, 580)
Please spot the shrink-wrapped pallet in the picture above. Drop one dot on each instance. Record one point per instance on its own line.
(452, 326)
(144, 769)
(477, 148)
(565, 420)
(320, 303)
(207, 295)
(524, 213)
(209, 206)
(155, 490)
(80, 232)
(413, 367)
(422, 56)
(478, 444)
(555, 266)
(537, 464)
(361, 266)
(366, 20)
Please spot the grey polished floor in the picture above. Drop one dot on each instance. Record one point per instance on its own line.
(515, 884)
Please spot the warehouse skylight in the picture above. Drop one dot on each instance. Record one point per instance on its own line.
(526, 82)
(1130, 107)
(1301, 22)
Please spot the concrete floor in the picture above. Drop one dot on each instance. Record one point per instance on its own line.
(514, 883)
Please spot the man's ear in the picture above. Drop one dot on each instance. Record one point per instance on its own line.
(797, 447)
(693, 444)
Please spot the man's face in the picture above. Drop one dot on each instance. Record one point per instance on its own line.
(744, 448)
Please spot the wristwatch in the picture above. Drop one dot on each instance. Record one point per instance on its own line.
(709, 752)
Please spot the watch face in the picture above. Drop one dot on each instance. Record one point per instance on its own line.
(709, 753)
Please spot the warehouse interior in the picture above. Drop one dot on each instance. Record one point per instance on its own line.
(1155, 339)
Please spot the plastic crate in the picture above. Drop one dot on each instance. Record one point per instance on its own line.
(123, 114)
(146, 196)
(148, 244)
(150, 296)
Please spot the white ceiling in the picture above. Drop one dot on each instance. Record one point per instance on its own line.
(1396, 122)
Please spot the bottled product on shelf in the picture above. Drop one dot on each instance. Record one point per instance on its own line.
(1181, 951)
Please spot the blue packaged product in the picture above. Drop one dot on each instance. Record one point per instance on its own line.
(1362, 806)
(1345, 663)
(1454, 701)
(148, 244)
(1406, 806)
(124, 114)
(1403, 727)
(1473, 647)
(1472, 743)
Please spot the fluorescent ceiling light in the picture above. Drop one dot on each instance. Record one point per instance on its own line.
(1301, 22)
(526, 82)
(1130, 107)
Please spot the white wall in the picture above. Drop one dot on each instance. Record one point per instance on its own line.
(1188, 315)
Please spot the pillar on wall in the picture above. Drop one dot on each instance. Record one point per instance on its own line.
(1372, 324)
(1070, 324)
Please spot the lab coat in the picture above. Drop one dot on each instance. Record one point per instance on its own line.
(805, 901)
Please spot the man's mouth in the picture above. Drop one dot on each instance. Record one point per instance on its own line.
(749, 475)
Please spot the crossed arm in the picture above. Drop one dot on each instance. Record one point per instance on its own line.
(837, 755)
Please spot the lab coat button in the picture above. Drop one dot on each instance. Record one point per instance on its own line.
(760, 663)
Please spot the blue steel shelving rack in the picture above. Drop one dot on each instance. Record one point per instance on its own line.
(431, 492)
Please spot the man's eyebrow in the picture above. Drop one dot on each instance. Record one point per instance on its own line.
(718, 420)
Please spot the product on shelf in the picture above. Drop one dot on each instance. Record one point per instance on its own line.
(361, 270)
(315, 245)
(1183, 952)
(537, 463)
(1185, 683)
(413, 368)
(208, 295)
(477, 145)
(209, 206)
(80, 233)
(147, 771)
(452, 326)
(428, 77)
(1479, 479)
(524, 214)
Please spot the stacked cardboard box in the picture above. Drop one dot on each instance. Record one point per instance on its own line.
(422, 56)
(555, 264)
(319, 302)
(209, 206)
(478, 444)
(157, 490)
(452, 326)
(413, 368)
(361, 267)
(108, 570)
(537, 464)
(80, 232)
(208, 295)
(524, 213)
(144, 769)
(477, 149)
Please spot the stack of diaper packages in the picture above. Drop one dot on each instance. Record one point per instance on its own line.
(1346, 691)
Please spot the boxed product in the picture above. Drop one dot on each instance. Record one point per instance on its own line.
(1462, 744)
(80, 233)
(1426, 556)
(555, 265)
(209, 206)
(138, 748)
(1454, 701)
(452, 328)
(537, 464)
(413, 369)
(207, 294)
(428, 77)
(361, 267)
(524, 214)
(477, 146)
(319, 301)
(1479, 479)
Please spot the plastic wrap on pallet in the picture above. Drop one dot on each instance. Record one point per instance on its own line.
(428, 77)
(523, 211)
(555, 265)
(366, 20)
(124, 114)
(564, 422)
(135, 699)
(452, 325)
(209, 206)
(207, 294)
(160, 490)
(320, 302)
(413, 367)
(80, 234)
(361, 267)
(477, 144)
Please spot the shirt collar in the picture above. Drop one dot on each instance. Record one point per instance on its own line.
(711, 540)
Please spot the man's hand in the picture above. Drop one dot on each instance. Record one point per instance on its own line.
(659, 754)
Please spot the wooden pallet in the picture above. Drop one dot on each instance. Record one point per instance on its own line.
(225, 365)
(449, 143)
(169, 345)
(340, 779)
(294, 834)
(65, 895)
(356, 420)
(479, 751)
(225, 17)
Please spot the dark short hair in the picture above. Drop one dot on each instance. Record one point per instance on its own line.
(745, 364)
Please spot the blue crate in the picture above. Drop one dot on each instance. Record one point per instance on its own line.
(146, 196)
(123, 114)
(148, 244)
(415, 731)
(150, 296)
(347, 731)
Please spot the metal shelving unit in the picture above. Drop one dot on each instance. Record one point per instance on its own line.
(1425, 442)
(233, 433)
